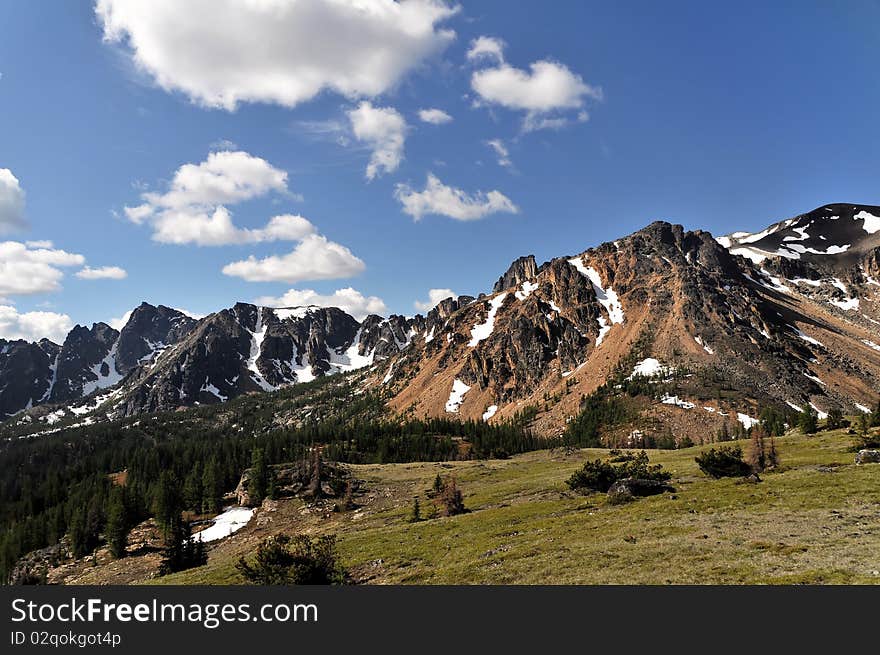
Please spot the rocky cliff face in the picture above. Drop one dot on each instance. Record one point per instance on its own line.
(522, 269)
(148, 332)
(743, 326)
(87, 363)
(249, 349)
(27, 371)
(90, 359)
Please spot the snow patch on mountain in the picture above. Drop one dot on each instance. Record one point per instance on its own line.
(871, 224)
(525, 290)
(350, 359)
(53, 367)
(678, 402)
(483, 331)
(648, 368)
(822, 415)
(705, 346)
(231, 520)
(257, 336)
(806, 337)
(456, 396)
(103, 381)
(606, 297)
(210, 388)
(283, 313)
(847, 304)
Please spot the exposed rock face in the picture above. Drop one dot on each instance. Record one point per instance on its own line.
(248, 348)
(26, 374)
(522, 269)
(148, 332)
(90, 358)
(387, 337)
(87, 362)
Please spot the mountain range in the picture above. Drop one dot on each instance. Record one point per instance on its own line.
(786, 317)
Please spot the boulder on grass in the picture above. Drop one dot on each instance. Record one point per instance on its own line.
(629, 488)
(868, 456)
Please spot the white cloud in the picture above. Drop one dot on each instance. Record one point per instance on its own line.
(11, 203)
(434, 297)
(546, 88)
(384, 130)
(348, 300)
(217, 229)
(486, 48)
(119, 322)
(193, 209)
(438, 198)
(28, 270)
(434, 116)
(33, 326)
(314, 258)
(501, 150)
(189, 313)
(224, 52)
(102, 273)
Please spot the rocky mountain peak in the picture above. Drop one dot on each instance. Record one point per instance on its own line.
(148, 331)
(522, 269)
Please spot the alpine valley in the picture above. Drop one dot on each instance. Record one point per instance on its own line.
(449, 448)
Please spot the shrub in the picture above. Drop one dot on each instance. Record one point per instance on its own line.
(302, 560)
(599, 476)
(865, 438)
(595, 476)
(726, 461)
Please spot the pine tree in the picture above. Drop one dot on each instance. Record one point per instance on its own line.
(117, 528)
(808, 422)
(835, 419)
(211, 492)
(772, 454)
(875, 415)
(438, 485)
(167, 502)
(181, 550)
(416, 513)
(258, 484)
(192, 490)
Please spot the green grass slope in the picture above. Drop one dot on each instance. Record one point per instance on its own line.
(817, 520)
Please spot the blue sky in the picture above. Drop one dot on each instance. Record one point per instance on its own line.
(612, 115)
